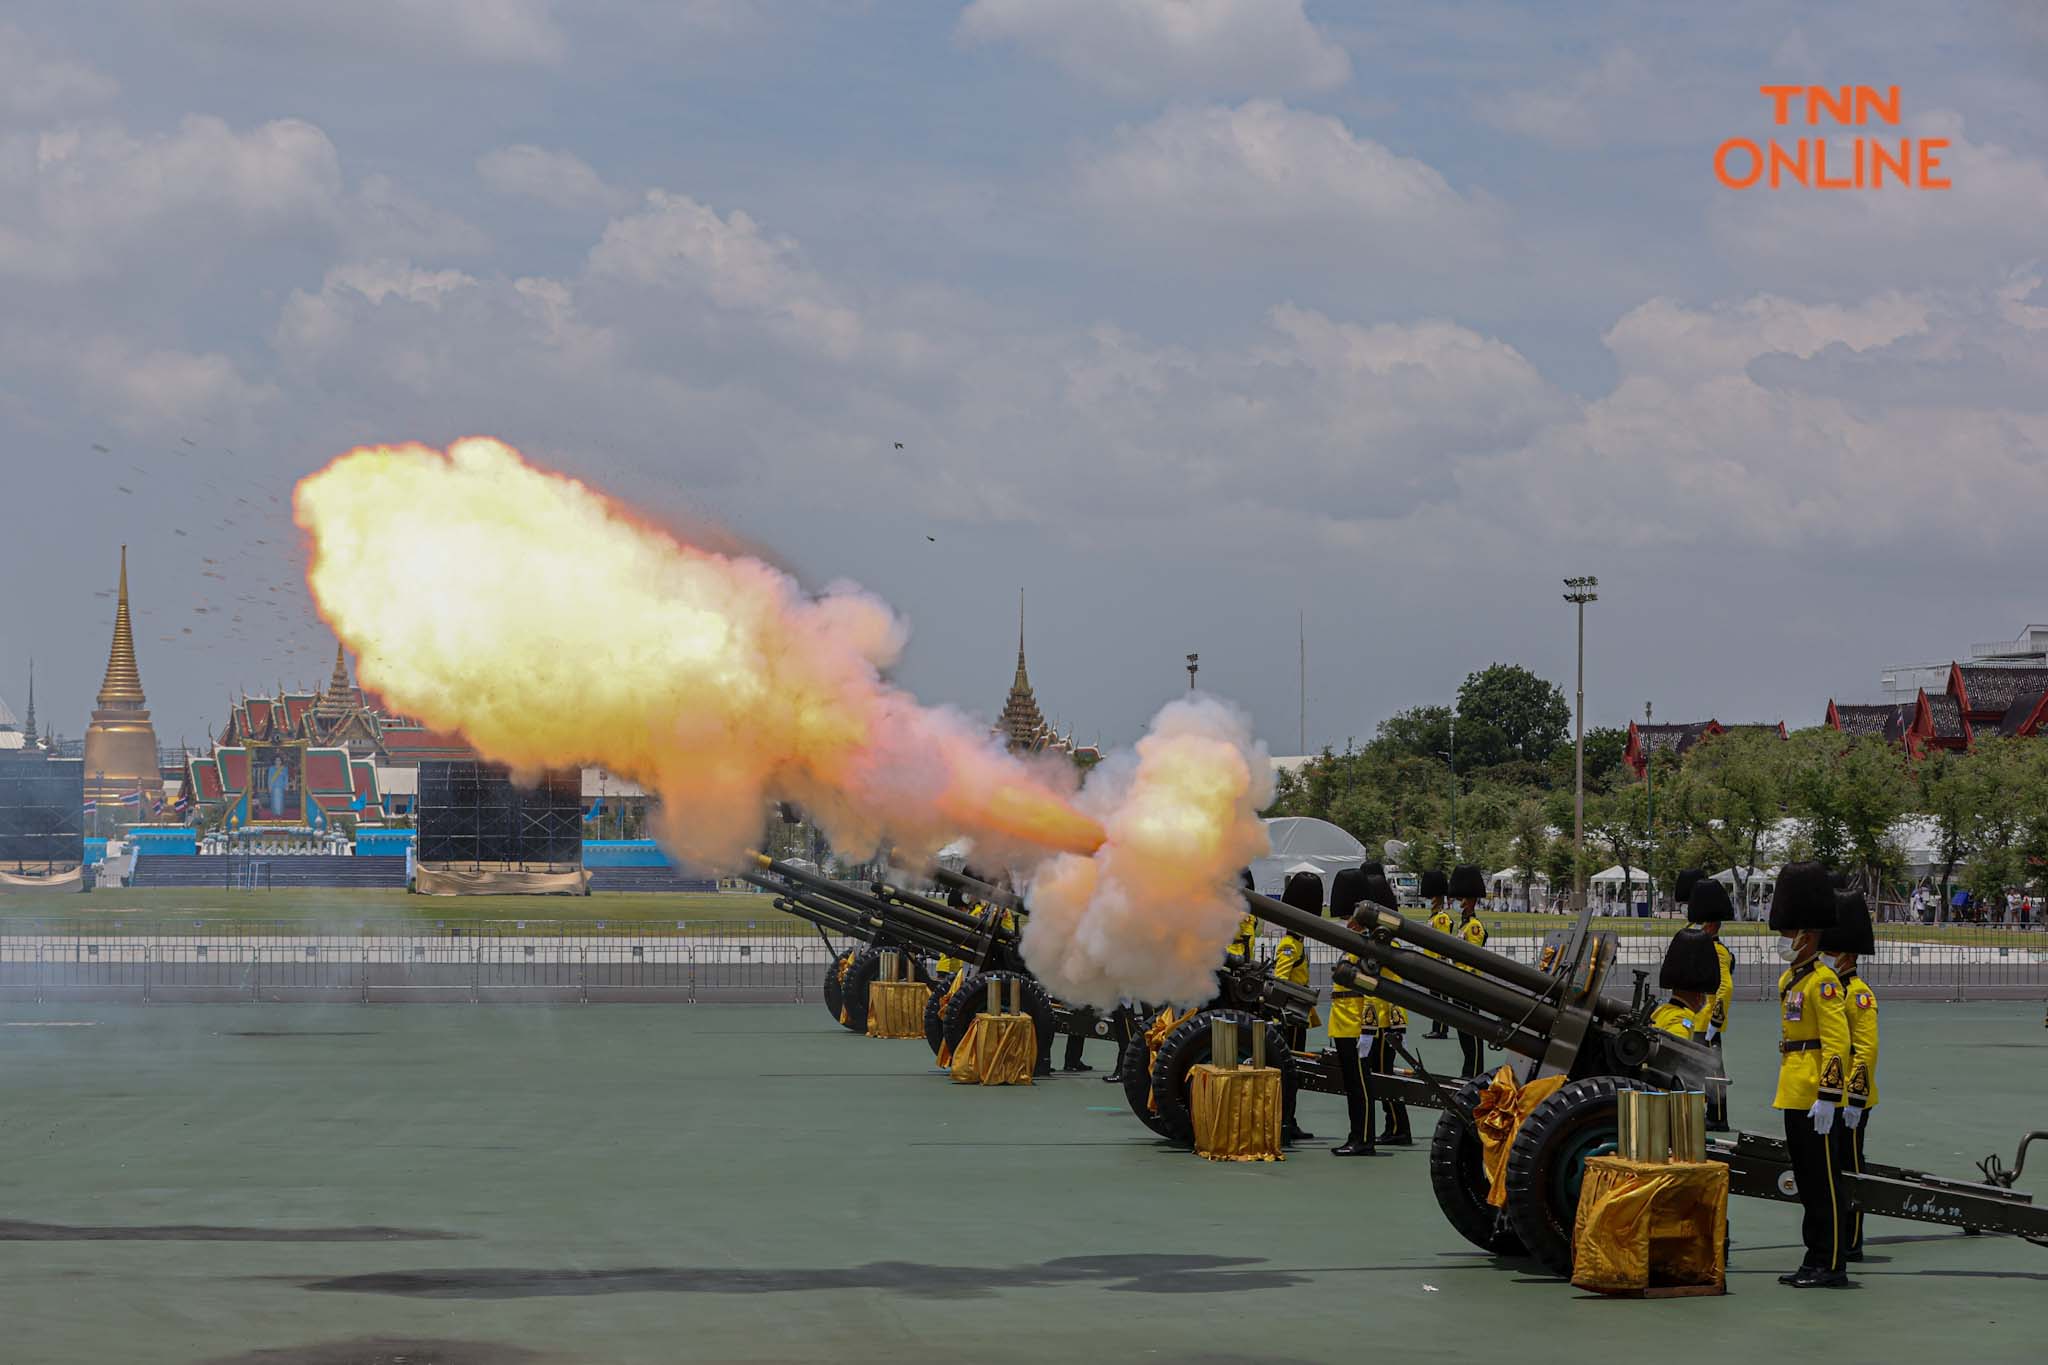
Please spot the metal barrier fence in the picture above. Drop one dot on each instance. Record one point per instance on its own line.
(767, 960)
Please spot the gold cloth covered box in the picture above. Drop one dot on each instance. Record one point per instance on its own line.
(1651, 1225)
(896, 1008)
(1237, 1112)
(997, 1049)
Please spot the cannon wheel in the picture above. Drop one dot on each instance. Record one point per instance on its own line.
(935, 1015)
(1548, 1162)
(835, 976)
(1458, 1178)
(1137, 1078)
(972, 999)
(863, 972)
(1188, 1047)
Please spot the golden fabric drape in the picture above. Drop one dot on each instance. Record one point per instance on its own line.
(997, 1049)
(896, 1008)
(1163, 1024)
(1645, 1224)
(945, 1048)
(1498, 1115)
(1237, 1112)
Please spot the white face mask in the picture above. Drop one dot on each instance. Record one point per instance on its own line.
(1788, 949)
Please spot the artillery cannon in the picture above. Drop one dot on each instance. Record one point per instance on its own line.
(887, 917)
(1560, 1020)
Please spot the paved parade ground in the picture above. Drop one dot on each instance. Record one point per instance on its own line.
(626, 1185)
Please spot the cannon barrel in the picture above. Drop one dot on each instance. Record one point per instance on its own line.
(980, 890)
(942, 929)
(991, 926)
(818, 913)
(1477, 992)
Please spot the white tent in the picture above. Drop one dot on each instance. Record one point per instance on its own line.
(1506, 884)
(1302, 840)
(1758, 883)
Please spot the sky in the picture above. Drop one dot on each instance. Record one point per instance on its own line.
(1195, 320)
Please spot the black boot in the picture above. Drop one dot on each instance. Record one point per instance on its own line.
(1816, 1277)
(1355, 1147)
(1294, 1133)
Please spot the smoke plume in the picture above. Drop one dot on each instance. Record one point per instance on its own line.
(1148, 915)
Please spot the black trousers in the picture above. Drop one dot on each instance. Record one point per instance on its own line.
(1474, 1050)
(1717, 1091)
(1297, 1037)
(1358, 1097)
(1815, 1158)
(1073, 1057)
(1381, 1060)
(1849, 1155)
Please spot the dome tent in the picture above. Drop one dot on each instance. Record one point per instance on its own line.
(1302, 840)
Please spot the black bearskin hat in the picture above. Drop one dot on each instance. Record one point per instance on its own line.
(1838, 880)
(1468, 883)
(1710, 903)
(1681, 890)
(1802, 899)
(1379, 891)
(1246, 877)
(1435, 883)
(1304, 891)
(1853, 932)
(1690, 963)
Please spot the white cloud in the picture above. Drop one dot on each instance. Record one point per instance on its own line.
(1262, 170)
(150, 389)
(675, 243)
(36, 82)
(487, 32)
(1587, 108)
(557, 179)
(72, 203)
(1139, 49)
(1851, 240)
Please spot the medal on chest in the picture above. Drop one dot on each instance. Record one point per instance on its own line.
(1795, 1007)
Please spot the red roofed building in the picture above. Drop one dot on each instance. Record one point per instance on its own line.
(1680, 739)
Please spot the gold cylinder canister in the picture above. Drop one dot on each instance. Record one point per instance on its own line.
(1656, 1126)
(1016, 995)
(1223, 1043)
(1628, 1124)
(1689, 1126)
(1258, 1042)
(995, 996)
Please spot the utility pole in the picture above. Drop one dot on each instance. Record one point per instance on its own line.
(1304, 683)
(1194, 662)
(1581, 593)
(1450, 756)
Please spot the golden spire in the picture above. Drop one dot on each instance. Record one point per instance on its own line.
(123, 682)
(334, 702)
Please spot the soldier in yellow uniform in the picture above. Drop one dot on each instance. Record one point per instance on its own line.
(1691, 972)
(1813, 1068)
(1386, 1046)
(1354, 1023)
(1468, 884)
(1852, 937)
(1435, 887)
(1304, 891)
(1706, 907)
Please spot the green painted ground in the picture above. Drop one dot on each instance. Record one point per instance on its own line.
(629, 1185)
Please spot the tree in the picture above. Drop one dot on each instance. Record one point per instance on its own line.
(1617, 823)
(1529, 713)
(1528, 843)
(1725, 800)
(2011, 783)
(1948, 793)
(1418, 732)
(1850, 792)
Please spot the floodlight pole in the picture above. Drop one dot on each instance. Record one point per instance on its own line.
(1650, 819)
(1581, 593)
(1194, 663)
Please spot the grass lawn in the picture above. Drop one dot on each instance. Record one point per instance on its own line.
(189, 910)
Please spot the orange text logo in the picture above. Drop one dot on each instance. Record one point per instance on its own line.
(1870, 160)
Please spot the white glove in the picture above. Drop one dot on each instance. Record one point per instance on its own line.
(1823, 1116)
(1713, 1032)
(1851, 1117)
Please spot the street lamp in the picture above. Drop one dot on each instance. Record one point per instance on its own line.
(1650, 816)
(1194, 662)
(1580, 594)
(1450, 756)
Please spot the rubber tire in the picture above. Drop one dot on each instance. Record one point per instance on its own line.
(834, 974)
(935, 1018)
(866, 969)
(1137, 1081)
(972, 999)
(1459, 1181)
(1537, 1208)
(1188, 1047)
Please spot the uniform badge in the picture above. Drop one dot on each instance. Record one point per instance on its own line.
(1864, 1000)
(1831, 1075)
(1827, 990)
(1795, 1007)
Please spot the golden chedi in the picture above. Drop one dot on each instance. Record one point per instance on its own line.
(120, 743)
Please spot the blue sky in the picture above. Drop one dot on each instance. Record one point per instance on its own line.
(1191, 314)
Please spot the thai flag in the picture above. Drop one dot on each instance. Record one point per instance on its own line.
(92, 807)
(185, 801)
(158, 807)
(133, 798)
